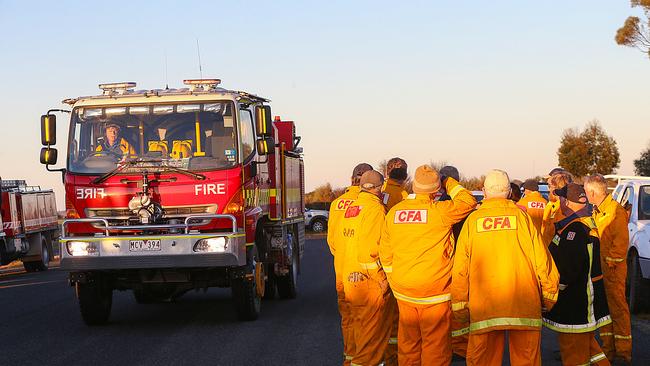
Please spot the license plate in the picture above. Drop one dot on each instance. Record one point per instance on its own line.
(144, 245)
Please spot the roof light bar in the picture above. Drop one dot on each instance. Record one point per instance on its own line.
(202, 84)
(116, 88)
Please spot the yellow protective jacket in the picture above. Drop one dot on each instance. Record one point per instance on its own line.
(534, 204)
(124, 147)
(393, 193)
(337, 211)
(611, 221)
(552, 214)
(501, 269)
(361, 230)
(417, 245)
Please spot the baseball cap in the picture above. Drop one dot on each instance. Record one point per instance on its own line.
(531, 185)
(371, 179)
(360, 169)
(572, 192)
(111, 124)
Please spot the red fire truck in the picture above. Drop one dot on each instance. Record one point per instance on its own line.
(29, 224)
(170, 190)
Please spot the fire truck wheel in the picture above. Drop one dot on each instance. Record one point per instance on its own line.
(287, 283)
(269, 291)
(42, 264)
(246, 298)
(95, 301)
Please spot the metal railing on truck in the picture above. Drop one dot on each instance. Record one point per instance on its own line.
(186, 225)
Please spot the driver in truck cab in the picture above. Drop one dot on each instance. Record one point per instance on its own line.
(113, 143)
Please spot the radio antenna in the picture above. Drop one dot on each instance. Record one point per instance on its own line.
(166, 74)
(198, 51)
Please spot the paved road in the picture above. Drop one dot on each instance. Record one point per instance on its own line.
(40, 324)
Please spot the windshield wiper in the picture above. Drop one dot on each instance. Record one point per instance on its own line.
(113, 172)
(184, 172)
(124, 164)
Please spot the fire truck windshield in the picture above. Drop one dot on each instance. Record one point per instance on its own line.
(193, 137)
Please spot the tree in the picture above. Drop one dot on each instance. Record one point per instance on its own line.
(635, 32)
(588, 152)
(642, 164)
(323, 193)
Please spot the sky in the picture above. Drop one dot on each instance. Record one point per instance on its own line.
(476, 84)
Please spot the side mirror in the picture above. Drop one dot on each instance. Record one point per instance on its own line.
(48, 156)
(48, 129)
(263, 122)
(265, 146)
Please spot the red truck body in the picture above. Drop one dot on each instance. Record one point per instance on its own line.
(210, 194)
(29, 223)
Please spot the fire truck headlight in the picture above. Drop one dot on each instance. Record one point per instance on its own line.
(82, 248)
(211, 245)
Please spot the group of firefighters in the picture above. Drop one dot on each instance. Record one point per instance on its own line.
(423, 276)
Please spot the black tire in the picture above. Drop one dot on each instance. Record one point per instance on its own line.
(42, 264)
(269, 285)
(95, 301)
(637, 286)
(287, 284)
(319, 225)
(30, 266)
(245, 296)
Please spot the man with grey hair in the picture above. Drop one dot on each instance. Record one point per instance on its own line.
(611, 221)
(501, 279)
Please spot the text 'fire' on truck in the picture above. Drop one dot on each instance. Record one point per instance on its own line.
(29, 225)
(171, 190)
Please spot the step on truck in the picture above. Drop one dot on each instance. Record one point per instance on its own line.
(29, 225)
(173, 190)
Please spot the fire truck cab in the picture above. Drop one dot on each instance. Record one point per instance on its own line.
(172, 190)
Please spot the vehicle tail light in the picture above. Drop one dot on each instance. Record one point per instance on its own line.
(70, 211)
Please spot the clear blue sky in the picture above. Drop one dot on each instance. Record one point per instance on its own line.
(478, 84)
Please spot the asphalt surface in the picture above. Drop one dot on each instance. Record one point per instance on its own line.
(40, 325)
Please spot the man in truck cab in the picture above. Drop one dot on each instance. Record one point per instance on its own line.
(114, 143)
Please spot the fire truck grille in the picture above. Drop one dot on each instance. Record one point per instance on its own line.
(170, 212)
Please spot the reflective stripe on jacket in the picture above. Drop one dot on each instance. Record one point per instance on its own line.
(501, 269)
(417, 245)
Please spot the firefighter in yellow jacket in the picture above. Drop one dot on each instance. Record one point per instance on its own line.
(114, 144)
(364, 280)
(502, 277)
(533, 203)
(557, 178)
(337, 211)
(611, 221)
(416, 252)
(393, 189)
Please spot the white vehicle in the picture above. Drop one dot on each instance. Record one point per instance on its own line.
(633, 193)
